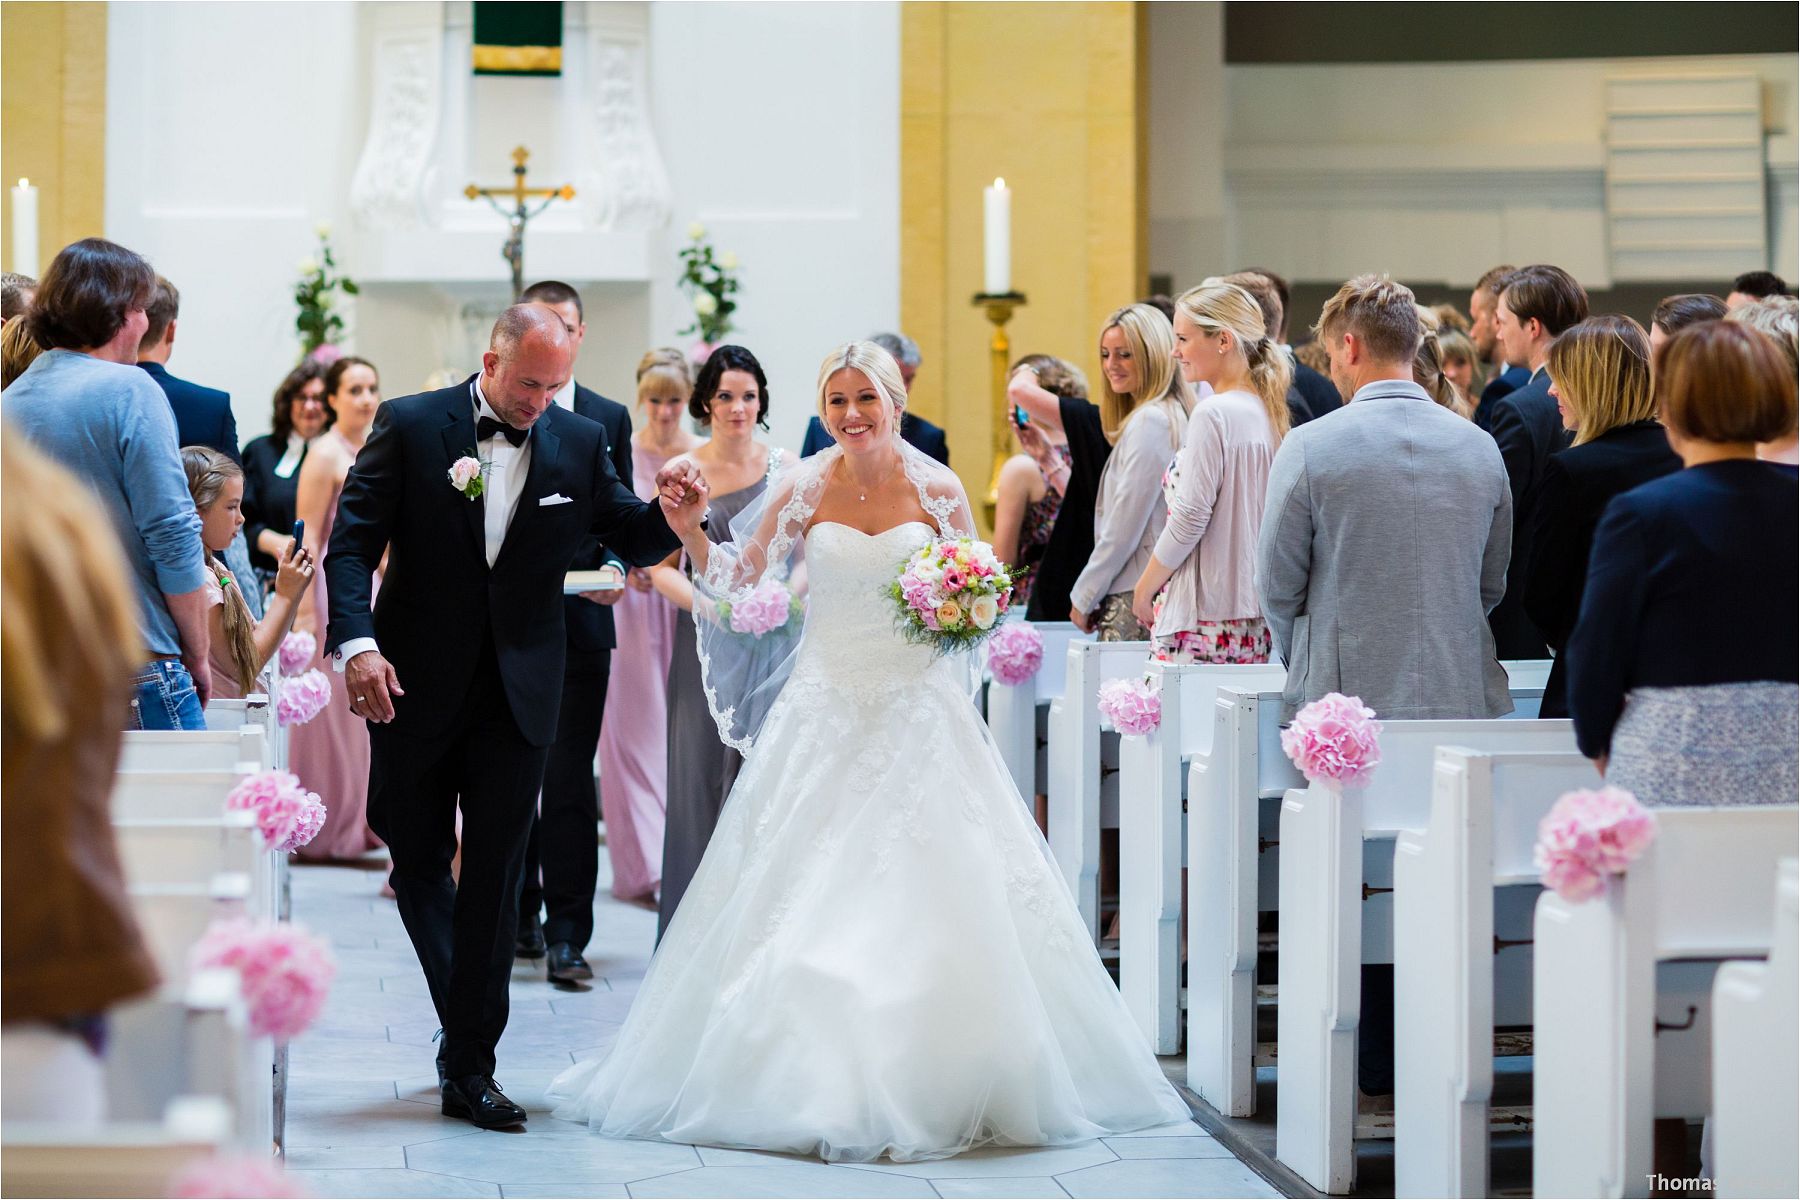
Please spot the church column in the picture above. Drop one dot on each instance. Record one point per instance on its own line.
(1053, 97)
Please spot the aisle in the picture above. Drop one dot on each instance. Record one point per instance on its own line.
(362, 1100)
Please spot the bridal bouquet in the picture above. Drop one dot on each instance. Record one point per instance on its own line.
(950, 594)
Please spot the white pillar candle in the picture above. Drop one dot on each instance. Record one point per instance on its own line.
(25, 229)
(997, 213)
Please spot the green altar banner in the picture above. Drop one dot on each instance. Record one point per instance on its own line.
(523, 37)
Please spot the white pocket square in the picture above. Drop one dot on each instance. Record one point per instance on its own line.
(559, 498)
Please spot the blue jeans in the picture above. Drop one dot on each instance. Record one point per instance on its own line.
(163, 697)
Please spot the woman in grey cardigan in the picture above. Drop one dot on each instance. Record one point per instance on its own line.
(1144, 406)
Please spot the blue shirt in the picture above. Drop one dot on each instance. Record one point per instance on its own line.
(112, 427)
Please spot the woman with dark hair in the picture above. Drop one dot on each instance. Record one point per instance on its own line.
(272, 464)
(731, 401)
(1675, 313)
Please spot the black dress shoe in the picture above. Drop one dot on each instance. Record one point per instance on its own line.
(566, 964)
(443, 1048)
(531, 939)
(478, 1099)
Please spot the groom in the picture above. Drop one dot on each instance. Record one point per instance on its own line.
(459, 668)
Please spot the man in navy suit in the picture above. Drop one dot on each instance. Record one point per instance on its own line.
(1482, 302)
(562, 858)
(1310, 395)
(202, 414)
(915, 431)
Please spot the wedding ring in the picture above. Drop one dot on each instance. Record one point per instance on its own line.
(359, 699)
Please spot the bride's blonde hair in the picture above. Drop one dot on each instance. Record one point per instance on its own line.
(876, 365)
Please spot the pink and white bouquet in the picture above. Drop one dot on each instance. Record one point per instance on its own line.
(1336, 738)
(302, 698)
(1133, 706)
(1015, 652)
(297, 649)
(1588, 836)
(285, 972)
(287, 815)
(765, 608)
(950, 594)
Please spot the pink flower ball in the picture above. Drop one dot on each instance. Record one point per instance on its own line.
(764, 610)
(276, 799)
(303, 698)
(1015, 653)
(1588, 836)
(1336, 737)
(285, 972)
(307, 822)
(221, 1177)
(1132, 706)
(297, 650)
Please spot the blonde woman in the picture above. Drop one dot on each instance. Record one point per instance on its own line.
(1206, 554)
(634, 736)
(1032, 482)
(1779, 317)
(1461, 364)
(1600, 375)
(1428, 367)
(1144, 415)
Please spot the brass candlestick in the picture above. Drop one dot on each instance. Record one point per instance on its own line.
(999, 309)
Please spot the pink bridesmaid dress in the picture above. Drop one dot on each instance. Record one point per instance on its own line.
(634, 767)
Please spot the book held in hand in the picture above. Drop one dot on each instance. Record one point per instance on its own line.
(603, 579)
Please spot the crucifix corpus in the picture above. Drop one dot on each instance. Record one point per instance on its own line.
(519, 213)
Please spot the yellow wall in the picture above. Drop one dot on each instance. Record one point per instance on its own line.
(1053, 97)
(53, 120)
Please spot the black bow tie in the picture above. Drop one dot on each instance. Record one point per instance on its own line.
(487, 427)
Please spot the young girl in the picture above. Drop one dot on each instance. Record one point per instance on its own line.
(241, 645)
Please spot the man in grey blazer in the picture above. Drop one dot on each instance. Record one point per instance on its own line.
(1387, 531)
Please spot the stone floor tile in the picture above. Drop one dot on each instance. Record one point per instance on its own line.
(799, 1180)
(1000, 1163)
(1000, 1189)
(1168, 1147)
(529, 1159)
(321, 1158)
(1156, 1179)
(397, 1182)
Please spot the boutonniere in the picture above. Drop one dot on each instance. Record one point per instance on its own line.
(468, 475)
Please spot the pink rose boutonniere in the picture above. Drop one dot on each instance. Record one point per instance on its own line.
(468, 475)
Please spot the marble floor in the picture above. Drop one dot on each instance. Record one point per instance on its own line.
(363, 1108)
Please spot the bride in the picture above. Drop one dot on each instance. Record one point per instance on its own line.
(876, 955)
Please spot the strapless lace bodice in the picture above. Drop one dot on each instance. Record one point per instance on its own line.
(851, 635)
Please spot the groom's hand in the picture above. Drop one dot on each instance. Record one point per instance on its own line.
(681, 490)
(371, 684)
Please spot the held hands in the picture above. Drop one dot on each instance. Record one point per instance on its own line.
(294, 574)
(638, 580)
(371, 684)
(682, 493)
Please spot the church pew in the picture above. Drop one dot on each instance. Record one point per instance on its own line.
(117, 1158)
(1336, 914)
(1016, 715)
(195, 750)
(254, 709)
(1152, 847)
(172, 916)
(181, 850)
(1081, 750)
(1623, 988)
(1461, 882)
(1756, 1060)
(188, 796)
(1234, 811)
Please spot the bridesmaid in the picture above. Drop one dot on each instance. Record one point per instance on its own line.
(272, 465)
(634, 736)
(731, 398)
(330, 753)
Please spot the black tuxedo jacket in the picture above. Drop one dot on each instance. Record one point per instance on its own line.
(1317, 393)
(916, 432)
(1528, 430)
(202, 414)
(439, 600)
(590, 625)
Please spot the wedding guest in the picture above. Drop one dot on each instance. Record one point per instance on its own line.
(1310, 354)
(1450, 318)
(85, 403)
(1267, 297)
(1779, 317)
(1756, 285)
(1428, 366)
(1143, 387)
(915, 430)
(1162, 303)
(634, 737)
(242, 645)
(1031, 485)
(18, 350)
(72, 948)
(731, 399)
(1600, 376)
(1536, 303)
(562, 852)
(1682, 666)
(1206, 554)
(1461, 364)
(1081, 425)
(202, 414)
(16, 291)
(1484, 300)
(1319, 394)
(330, 753)
(1383, 545)
(272, 465)
(1675, 313)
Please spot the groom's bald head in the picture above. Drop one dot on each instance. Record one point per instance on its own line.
(529, 359)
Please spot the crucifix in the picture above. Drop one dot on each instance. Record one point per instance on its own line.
(519, 213)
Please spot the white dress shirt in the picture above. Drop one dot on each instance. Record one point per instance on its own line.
(565, 399)
(290, 458)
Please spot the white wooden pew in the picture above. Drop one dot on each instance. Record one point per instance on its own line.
(1461, 884)
(182, 850)
(1234, 812)
(118, 1158)
(1016, 716)
(195, 750)
(1336, 870)
(1623, 987)
(1152, 846)
(1083, 794)
(148, 798)
(174, 915)
(255, 709)
(1756, 1060)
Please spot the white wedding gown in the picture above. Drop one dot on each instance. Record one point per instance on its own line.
(877, 955)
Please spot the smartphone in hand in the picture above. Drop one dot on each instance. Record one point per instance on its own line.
(299, 538)
(1020, 417)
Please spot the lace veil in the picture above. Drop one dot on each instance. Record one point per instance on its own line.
(743, 672)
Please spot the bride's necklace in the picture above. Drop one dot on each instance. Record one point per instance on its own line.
(862, 493)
